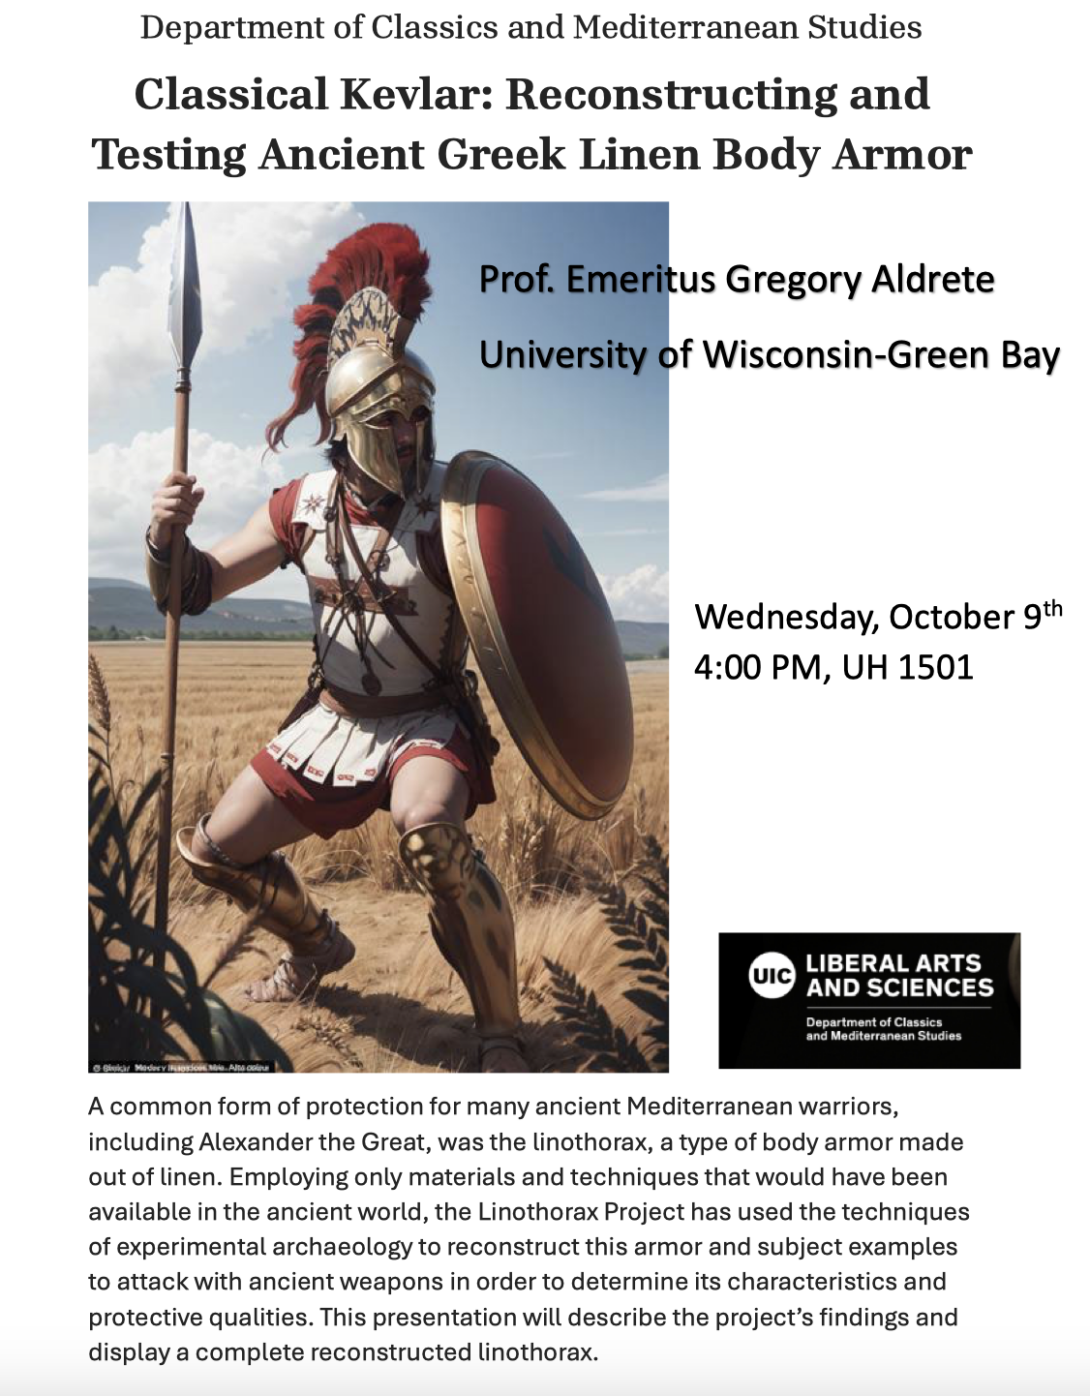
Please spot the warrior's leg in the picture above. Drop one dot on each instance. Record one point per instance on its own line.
(234, 851)
(469, 912)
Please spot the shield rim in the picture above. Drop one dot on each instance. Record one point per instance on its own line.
(473, 596)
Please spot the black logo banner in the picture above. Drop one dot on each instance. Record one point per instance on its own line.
(892, 1000)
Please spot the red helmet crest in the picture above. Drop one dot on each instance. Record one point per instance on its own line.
(387, 256)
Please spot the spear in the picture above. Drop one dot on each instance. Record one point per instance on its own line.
(184, 326)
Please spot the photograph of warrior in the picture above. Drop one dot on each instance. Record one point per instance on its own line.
(428, 580)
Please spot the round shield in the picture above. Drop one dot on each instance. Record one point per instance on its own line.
(541, 631)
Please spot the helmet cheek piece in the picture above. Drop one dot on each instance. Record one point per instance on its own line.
(425, 450)
(374, 450)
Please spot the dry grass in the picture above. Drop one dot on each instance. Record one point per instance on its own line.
(396, 1006)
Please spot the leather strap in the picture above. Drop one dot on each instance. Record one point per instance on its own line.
(348, 704)
(369, 578)
(377, 589)
(350, 608)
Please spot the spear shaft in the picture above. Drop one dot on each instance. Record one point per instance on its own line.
(184, 325)
(170, 681)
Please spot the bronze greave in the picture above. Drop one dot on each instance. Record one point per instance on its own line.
(269, 889)
(471, 921)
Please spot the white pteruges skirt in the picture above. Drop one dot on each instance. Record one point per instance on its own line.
(323, 745)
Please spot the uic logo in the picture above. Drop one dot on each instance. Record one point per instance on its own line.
(772, 975)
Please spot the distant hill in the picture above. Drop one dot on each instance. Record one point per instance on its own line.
(643, 637)
(127, 609)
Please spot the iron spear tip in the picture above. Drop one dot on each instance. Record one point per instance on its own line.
(184, 319)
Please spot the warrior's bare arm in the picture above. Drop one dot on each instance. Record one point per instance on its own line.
(234, 562)
(246, 556)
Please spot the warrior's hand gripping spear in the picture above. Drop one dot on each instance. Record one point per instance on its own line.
(184, 325)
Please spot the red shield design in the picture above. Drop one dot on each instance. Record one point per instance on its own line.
(541, 631)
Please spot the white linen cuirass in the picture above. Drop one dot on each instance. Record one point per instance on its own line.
(326, 747)
(426, 612)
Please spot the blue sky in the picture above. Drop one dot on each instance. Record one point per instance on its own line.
(577, 433)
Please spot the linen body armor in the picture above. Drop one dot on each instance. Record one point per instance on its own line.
(362, 651)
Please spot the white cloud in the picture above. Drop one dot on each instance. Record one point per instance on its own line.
(247, 254)
(654, 491)
(642, 594)
(123, 478)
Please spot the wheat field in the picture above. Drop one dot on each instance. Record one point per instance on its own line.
(396, 1006)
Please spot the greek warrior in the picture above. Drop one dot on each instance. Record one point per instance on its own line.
(390, 718)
